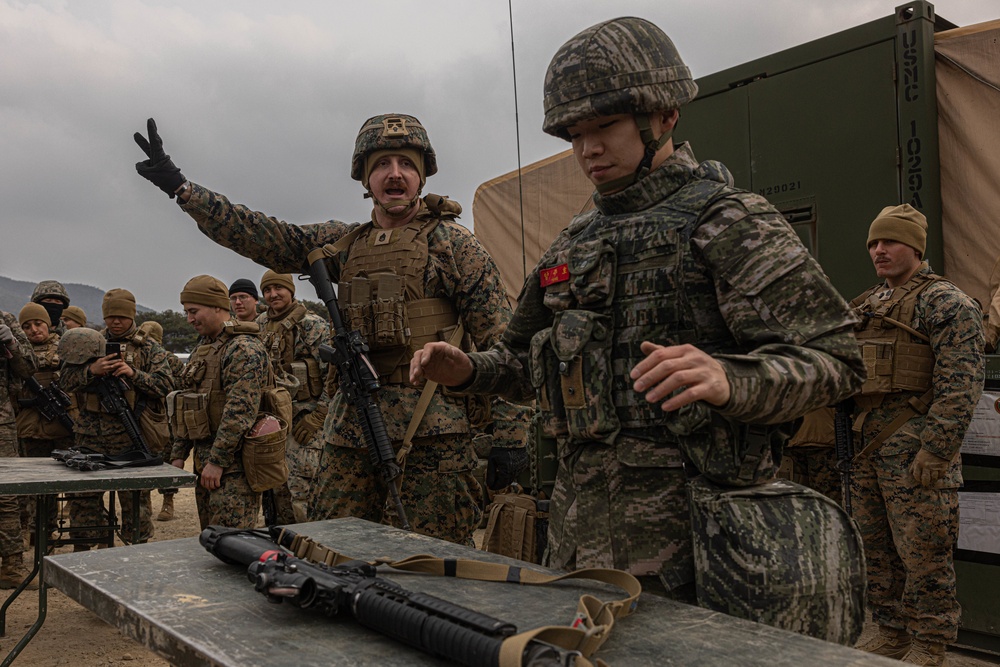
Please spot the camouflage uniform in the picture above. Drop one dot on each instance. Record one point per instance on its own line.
(910, 531)
(103, 432)
(243, 373)
(810, 457)
(439, 490)
(36, 436)
(293, 499)
(20, 365)
(41, 441)
(678, 257)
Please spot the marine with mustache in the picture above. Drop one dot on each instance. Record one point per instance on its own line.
(409, 276)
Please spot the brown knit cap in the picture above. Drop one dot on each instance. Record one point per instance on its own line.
(153, 329)
(283, 279)
(206, 291)
(118, 303)
(901, 223)
(76, 314)
(33, 311)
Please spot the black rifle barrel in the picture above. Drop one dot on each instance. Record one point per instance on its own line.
(844, 446)
(359, 384)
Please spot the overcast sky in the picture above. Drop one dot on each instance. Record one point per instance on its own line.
(262, 101)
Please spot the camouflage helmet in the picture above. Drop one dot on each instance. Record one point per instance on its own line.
(80, 345)
(391, 132)
(625, 65)
(50, 289)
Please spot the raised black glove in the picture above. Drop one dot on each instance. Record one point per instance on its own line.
(158, 169)
(504, 465)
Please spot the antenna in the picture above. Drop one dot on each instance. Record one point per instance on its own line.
(517, 136)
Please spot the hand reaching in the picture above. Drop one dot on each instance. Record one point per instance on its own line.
(158, 169)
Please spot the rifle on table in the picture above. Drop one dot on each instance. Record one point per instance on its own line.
(111, 392)
(427, 623)
(844, 447)
(51, 402)
(358, 381)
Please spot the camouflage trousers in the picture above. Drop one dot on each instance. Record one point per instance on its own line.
(234, 504)
(607, 513)
(293, 498)
(10, 509)
(439, 491)
(815, 467)
(85, 508)
(39, 448)
(909, 533)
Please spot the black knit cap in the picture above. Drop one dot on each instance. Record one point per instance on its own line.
(245, 286)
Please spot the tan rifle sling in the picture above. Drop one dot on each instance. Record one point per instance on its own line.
(594, 621)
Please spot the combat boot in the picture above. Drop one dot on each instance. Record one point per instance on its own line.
(167, 511)
(12, 573)
(924, 652)
(890, 642)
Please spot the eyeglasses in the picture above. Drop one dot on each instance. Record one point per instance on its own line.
(240, 297)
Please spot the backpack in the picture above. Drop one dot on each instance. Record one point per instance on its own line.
(780, 554)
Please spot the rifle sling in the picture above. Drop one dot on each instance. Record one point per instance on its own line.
(422, 403)
(588, 632)
(916, 407)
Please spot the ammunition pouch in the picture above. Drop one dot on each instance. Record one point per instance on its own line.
(574, 354)
(726, 451)
(306, 371)
(517, 526)
(155, 427)
(188, 415)
(264, 458)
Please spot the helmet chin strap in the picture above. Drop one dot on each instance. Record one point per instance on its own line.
(408, 204)
(652, 145)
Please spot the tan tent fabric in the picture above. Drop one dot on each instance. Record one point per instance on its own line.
(554, 190)
(968, 94)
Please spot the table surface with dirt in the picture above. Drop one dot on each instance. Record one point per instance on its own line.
(73, 635)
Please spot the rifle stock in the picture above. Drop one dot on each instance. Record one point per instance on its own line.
(358, 382)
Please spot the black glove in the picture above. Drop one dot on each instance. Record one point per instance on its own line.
(504, 465)
(158, 169)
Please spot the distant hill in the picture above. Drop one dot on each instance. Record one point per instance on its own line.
(15, 293)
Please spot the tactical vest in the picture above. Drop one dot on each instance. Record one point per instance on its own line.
(279, 339)
(622, 279)
(135, 352)
(895, 359)
(30, 423)
(196, 411)
(381, 294)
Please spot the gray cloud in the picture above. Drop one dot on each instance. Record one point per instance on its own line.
(262, 102)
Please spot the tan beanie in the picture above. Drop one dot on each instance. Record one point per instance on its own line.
(901, 223)
(33, 311)
(76, 314)
(206, 291)
(153, 329)
(412, 154)
(118, 303)
(283, 279)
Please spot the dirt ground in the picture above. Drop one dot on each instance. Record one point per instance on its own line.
(72, 635)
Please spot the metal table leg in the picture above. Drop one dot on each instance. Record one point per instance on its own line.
(42, 505)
